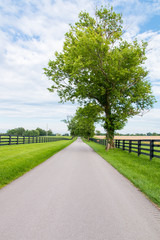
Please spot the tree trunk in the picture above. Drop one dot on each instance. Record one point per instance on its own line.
(109, 124)
(110, 140)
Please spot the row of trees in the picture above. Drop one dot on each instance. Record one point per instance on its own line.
(98, 67)
(139, 134)
(82, 123)
(22, 132)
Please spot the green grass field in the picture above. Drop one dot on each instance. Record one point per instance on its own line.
(15, 160)
(13, 140)
(142, 172)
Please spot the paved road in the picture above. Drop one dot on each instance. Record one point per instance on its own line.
(76, 195)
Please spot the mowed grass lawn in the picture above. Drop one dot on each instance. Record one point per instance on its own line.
(15, 160)
(142, 172)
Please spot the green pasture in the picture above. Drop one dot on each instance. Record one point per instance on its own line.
(142, 172)
(144, 148)
(15, 160)
(13, 140)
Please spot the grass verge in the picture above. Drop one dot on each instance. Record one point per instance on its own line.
(142, 172)
(15, 160)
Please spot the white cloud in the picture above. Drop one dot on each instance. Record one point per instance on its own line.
(30, 32)
(147, 123)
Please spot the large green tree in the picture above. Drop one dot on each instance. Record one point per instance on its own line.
(97, 65)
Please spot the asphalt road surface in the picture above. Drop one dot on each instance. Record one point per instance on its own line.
(76, 195)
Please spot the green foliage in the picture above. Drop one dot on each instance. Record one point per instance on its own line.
(16, 131)
(98, 66)
(82, 124)
(49, 132)
(41, 131)
(22, 132)
(138, 134)
(31, 133)
(98, 132)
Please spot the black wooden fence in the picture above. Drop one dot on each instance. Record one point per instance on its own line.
(100, 141)
(150, 148)
(12, 140)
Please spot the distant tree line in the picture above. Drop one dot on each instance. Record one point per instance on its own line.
(129, 134)
(36, 132)
(139, 134)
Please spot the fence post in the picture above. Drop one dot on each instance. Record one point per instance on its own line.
(123, 145)
(9, 139)
(17, 139)
(29, 139)
(130, 145)
(139, 147)
(151, 149)
(23, 139)
(118, 143)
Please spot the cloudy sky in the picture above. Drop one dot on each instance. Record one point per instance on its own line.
(32, 30)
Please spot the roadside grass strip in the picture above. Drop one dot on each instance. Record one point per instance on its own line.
(142, 172)
(15, 160)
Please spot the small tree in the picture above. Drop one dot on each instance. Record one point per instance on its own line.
(98, 132)
(41, 132)
(16, 131)
(30, 133)
(82, 124)
(49, 132)
(97, 65)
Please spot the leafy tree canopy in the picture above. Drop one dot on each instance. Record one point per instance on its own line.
(82, 123)
(16, 131)
(41, 131)
(98, 66)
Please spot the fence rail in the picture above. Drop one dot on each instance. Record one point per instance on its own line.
(150, 148)
(100, 141)
(13, 140)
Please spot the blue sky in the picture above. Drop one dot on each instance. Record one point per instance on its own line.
(31, 31)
